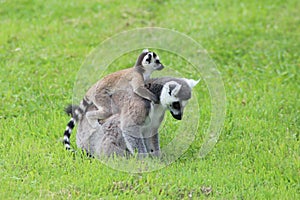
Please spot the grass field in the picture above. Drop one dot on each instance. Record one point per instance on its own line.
(256, 47)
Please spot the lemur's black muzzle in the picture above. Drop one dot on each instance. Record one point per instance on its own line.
(160, 67)
(178, 116)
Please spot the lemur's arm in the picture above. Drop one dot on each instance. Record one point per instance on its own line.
(138, 85)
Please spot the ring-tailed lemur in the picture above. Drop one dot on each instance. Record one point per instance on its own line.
(118, 133)
(100, 93)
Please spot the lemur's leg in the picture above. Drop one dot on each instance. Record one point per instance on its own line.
(133, 138)
(103, 103)
(110, 147)
(93, 117)
(133, 120)
(152, 144)
(134, 143)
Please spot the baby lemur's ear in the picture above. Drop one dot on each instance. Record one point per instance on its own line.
(192, 83)
(142, 59)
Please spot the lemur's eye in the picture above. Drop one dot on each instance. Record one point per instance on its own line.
(176, 105)
(157, 61)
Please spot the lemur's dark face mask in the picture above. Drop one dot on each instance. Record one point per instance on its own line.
(175, 109)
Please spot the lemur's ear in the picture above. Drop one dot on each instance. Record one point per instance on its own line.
(192, 83)
(174, 88)
(145, 51)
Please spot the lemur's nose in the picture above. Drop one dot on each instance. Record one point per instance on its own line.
(160, 67)
(177, 116)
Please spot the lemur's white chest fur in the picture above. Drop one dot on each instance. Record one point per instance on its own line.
(147, 73)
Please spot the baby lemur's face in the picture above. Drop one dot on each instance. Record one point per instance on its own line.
(151, 62)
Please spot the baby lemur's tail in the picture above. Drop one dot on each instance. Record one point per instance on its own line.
(76, 113)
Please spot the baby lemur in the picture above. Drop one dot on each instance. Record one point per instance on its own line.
(100, 93)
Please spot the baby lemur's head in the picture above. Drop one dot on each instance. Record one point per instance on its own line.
(149, 61)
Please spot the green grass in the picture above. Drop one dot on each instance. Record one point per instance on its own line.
(256, 48)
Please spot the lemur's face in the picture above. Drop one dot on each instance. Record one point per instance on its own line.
(151, 61)
(176, 108)
(171, 100)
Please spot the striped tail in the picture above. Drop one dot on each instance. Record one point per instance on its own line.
(76, 113)
(67, 133)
